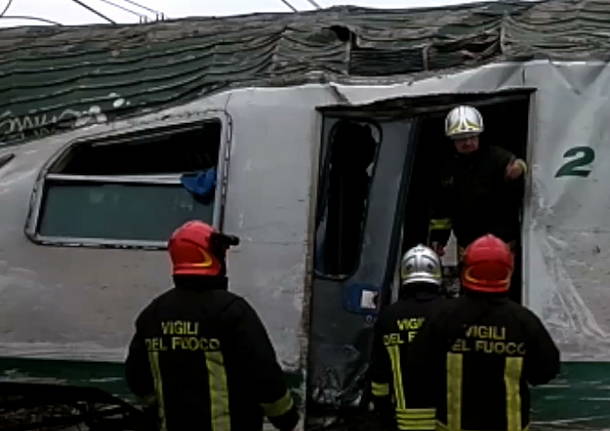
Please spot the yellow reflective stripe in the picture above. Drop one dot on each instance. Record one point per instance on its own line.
(219, 393)
(416, 413)
(454, 391)
(440, 224)
(512, 378)
(278, 407)
(416, 419)
(399, 392)
(416, 424)
(380, 389)
(472, 126)
(153, 359)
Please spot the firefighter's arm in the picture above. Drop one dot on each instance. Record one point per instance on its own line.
(260, 361)
(137, 370)
(542, 362)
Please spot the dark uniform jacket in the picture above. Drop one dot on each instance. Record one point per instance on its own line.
(481, 353)
(474, 198)
(396, 399)
(204, 357)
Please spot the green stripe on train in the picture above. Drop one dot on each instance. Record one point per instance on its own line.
(578, 399)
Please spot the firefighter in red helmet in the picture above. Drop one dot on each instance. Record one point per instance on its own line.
(483, 350)
(201, 355)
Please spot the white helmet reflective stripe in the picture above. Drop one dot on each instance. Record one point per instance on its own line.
(463, 121)
(421, 264)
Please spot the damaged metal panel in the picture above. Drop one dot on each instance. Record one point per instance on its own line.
(567, 223)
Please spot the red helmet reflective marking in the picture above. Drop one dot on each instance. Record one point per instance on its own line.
(207, 260)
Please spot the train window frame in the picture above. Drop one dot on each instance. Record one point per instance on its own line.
(47, 178)
(321, 227)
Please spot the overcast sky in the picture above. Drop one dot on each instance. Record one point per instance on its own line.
(70, 12)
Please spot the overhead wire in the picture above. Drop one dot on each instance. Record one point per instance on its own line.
(289, 5)
(314, 4)
(143, 18)
(94, 11)
(156, 12)
(6, 8)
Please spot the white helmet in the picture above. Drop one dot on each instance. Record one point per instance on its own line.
(421, 264)
(463, 121)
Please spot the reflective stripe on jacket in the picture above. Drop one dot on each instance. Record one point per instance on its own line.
(395, 330)
(205, 355)
(482, 351)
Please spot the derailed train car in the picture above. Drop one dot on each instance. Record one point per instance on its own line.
(314, 137)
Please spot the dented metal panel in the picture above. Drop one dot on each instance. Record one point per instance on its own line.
(567, 228)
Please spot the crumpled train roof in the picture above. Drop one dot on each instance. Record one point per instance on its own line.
(45, 69)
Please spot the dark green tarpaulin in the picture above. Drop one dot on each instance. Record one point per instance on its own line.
(57, 77)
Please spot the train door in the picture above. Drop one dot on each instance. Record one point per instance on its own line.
(378, 166)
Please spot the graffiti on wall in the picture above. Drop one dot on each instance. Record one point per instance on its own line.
(16, 128)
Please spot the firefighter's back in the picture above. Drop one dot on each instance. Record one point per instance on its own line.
(497, 348)
(483, 350)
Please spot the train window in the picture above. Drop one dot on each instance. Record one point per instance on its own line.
(129, 190)
(346, 177)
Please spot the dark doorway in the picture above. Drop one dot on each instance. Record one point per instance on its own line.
(506, 126)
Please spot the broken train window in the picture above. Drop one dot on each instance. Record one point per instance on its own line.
(346, 173)
(132, 189)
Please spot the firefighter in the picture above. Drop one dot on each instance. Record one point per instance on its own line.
(397, 325)
(200, 353)
(481, 186)
(483, 350)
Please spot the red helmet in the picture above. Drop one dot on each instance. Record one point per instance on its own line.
(488, 265)
(196, 248)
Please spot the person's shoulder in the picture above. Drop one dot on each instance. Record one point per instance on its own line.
(453, 303)
(148, 312)
(390, 311)
(461, 307)
(443, 309)
(157, 300)
(236, 306)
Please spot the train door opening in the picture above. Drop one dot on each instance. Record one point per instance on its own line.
(506, 126)
(378, 167)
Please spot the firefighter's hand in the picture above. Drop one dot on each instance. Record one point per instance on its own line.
(438, 248)
(515, 169)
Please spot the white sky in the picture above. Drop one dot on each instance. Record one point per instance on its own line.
(69, 12)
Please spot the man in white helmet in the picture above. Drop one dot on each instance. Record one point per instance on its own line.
(481, 186)
(395, 399)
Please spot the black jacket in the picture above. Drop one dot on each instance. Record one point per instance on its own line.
(395, 397)
(474, 198)
(481, 353)
(203, 356)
